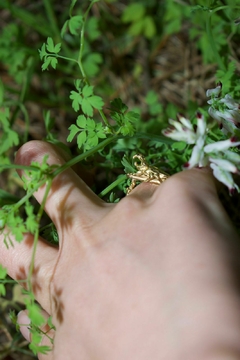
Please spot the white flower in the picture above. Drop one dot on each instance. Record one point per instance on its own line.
(181, 130)
(225, 165)
(229, 101)
(197, 158)
(217, 154)
(224, 177)
(216, 91)
(221, 145)
(224, 110)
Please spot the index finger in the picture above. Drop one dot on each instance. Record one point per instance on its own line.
(70, 201)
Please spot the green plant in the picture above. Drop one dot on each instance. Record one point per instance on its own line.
(102, 126)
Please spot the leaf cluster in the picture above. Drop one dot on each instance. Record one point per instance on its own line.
(38, 174)
(8, 136)
(49, 53)
(126, 120)
(85, 99)
(13, 225)
(88, 132)
(141, 22)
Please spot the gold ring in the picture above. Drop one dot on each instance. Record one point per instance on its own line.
(145, 173)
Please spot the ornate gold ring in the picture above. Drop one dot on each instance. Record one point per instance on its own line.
(145, 173)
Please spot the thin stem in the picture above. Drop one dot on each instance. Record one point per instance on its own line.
(153, 137)
(65, 58)
(27, 122)
(82, 43)
(105, 120)
(19, 167)
(36, 235)
(109, 188)
(83, 156)
(223, 7)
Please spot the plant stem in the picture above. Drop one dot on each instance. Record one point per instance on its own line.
(36, 235)
(83, 156)
(65, 58)
(82, 43)
(118, 181)
(153, 137)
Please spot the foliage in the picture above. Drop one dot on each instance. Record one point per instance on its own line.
(70, 64)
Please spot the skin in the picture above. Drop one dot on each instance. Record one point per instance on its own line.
(156, 276)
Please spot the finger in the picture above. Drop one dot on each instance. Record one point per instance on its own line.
(70, 200)
(48, 333)
(17, 260)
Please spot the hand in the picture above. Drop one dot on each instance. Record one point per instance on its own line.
(155, 276)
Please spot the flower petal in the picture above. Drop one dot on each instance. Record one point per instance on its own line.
(224, 164)
(232, 156)
(186, 136)
(230, 102)
(221, 145)
(201, 125)
(197, 155)
(224, 177)
(216, 91)
(186, 122)
(214, 114)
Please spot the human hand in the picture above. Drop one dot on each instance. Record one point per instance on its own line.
(155, 276)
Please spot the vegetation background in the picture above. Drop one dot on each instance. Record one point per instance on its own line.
(159, 57)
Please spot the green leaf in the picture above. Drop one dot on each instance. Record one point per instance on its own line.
(179, 145)
(86, 107)
(8, 137)
(3, 272)
(149, 27)
(81, 121)
(39, 349)
(64, 28)
(81, 139)
(76, 100)
(73, 132)
(136, 28)
(127, 129)
(75, 24)
(49, 122)
(152, 97)
(57, 48)
(118, 105)
(46, 63)
(2, 290)
(51, 47)
(50, 44)
(87, 91)
(1, 92)
(132, 116)
(133, 12)
(96, 102)
(92, 139)
(91, 28)
(31, 222)
(91, 63)
(91, 124)
(34, 313)
(54, 61)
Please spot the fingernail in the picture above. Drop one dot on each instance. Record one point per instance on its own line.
(24, 321)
